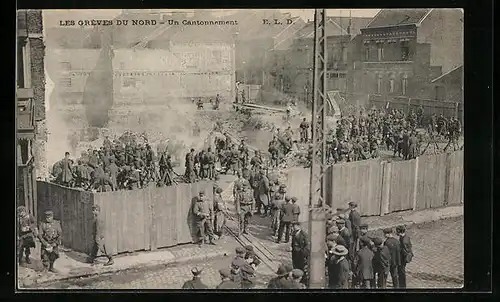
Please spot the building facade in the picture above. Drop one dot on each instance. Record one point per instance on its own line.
(30, 109)
(403, 50)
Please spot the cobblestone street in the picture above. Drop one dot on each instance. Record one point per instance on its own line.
(438, 263)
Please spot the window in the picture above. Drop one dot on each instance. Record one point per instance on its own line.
(217, 56)
(379, 84)
(404, 85)
(122, 65)
(440, 93)
(380, 51)
(405, 51)
(65, 66)
(344, 54)
(391, 85)
(367, 53)
(65, 82)
(129, 82)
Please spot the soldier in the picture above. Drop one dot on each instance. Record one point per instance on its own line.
(99, 241)
(406, 254)
(205, 164)
(281, 281)
(67, 170)
(234, 159)
(195, 283)
(395, 252)
(204, 218)
(355, 219)
(244, 207)
(211, 163)
(363, 264)
(248, 273)
(300, 251)
(250, 254)
(381, 262)
(199, 104)
(166, 169)
(26, 234)
(113, 173)
(220, 210)
(263, 193)
(304, 131)
(226, 282)
(236, 265)
(295, 210)
(274, 150)
(256, 161)
(101, 181)
(50, 237)
(244, 153)
(285, 221)
(189, 164)
(278, 200)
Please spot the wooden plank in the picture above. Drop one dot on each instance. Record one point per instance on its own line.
(402, 184)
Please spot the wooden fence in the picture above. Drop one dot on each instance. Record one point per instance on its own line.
(381, 187)
(145, 219)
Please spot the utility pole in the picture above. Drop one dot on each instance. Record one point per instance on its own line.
(317, 192)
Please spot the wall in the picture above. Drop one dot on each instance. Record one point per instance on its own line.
(144, 219)
(444, 29)
(381, 187)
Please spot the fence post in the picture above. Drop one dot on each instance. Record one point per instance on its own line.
(415, 185)
(447, 176)
(386, 188)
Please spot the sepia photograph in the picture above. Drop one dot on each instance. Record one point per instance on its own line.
(240, 149)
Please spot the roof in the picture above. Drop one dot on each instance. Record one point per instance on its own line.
(455, 71)
(398, 17)
(357, 23)
(332, 29)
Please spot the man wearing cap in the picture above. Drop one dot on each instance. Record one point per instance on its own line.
(248, 273)
(220, 209)
(344, 233)
(363, 231)
(226, 282)
(26, 234)
(99, 242)
(244, 206)
(381, 262)
(285, 221)
(263, 193)
(338, 269)
(278, 201)
(296, 277)
(50, 237)
(300, 250)
(395, 251)
(195, 283)
(355, 219)
(67, 170)
(203, 214)
(295, 210)
(406, 254)
(250, 254)
(281, 281)
(364, 264)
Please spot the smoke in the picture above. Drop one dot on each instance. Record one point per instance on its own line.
(98, 90)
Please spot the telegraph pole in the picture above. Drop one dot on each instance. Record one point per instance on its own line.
(317, 192)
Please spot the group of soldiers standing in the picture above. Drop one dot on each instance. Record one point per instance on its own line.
(355, 260)
(123, 164)
(49, 234)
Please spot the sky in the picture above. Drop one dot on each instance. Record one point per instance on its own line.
(52, 17)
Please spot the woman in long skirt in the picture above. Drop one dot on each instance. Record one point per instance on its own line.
(220, 210)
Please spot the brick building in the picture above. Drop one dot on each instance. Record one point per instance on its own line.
(401, 51)
(294, 66)
(30, 113)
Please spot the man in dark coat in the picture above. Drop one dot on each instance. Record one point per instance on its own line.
(364, 264)
(113, 173)
(67, 170)
(355, 219)
(99, 242)
(226, 282)
(50, 236)
(263, 192)
(338, 268)
(300, 251)
(381, 262)
(286, 219)
(281, 281)
(395, 251)
(296, 209)
(406, 254)
(195, 283)
(344, 233)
